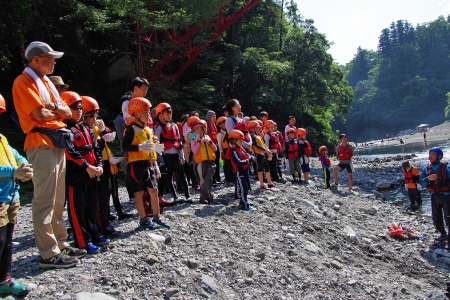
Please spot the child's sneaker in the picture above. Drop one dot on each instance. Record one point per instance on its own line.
(271, 185)
(71, 251)
(13, 287)
(250, 208)
(91, 248)
(161, 223)
(148, 224)
(189, 200)
(102, 241)
(58, 262)
(263, 187)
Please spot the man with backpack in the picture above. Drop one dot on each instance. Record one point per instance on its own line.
(344, 153)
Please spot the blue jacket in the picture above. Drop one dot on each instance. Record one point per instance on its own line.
(8, 187)
(423, 175)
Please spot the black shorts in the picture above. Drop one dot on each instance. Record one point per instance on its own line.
(140, 176)
(261, 163)
(348, 167)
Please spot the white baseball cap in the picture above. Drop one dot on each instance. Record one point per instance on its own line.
(38, 48)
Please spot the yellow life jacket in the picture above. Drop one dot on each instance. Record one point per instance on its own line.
(205, 153)
(141, 135)
(260, 143)
(106, 152)
(6, 156)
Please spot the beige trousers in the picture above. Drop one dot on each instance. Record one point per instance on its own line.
(49, 178)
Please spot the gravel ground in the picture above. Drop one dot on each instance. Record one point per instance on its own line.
(303, 242)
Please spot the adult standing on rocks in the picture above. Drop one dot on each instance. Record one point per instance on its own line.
(38, 106)
(344, 153)
(436, 177)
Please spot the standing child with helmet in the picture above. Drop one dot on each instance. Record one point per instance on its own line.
(204, 156)
(168, 134)
(223, 148)
(272, 142)
(280, 159)
(262, 154)
(326, 165)
(344, 153)
(213, 132)
(240, 160)
(412, 176)
(84, 165)
(293, 153)
(305, 153)
(142, 170)
(436, 178)
(97, 126)
(13, 167)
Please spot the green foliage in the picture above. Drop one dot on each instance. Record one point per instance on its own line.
(403, 84)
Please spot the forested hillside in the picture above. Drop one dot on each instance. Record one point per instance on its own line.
(270, 59)
(403, 84)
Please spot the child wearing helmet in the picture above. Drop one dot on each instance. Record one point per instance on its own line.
(213, 132)
(272, 142)
(97, 126)
(241, 160)
(305, 153)
(142, 170)
(280, 159)
(189, 156)
(292, 152)
(84, 166)
(172, 158)
(436, 178)
(412, 176)
(326, 165)
(204, 156)
(262, 155)
(13, 167)
(223, 148)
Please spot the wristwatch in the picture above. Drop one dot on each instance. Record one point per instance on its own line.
(56, 106)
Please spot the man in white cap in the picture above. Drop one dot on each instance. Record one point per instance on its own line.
(38, 106)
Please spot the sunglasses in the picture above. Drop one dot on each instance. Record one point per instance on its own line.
(76, 107)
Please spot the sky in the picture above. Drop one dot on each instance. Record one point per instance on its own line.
(353, 23)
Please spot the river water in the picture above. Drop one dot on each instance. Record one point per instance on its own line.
(420, 161)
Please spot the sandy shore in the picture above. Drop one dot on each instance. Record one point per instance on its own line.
(434, 136)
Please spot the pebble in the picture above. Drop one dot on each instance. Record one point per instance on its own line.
(171, 292)
(336, 264)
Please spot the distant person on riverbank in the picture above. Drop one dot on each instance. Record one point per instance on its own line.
(13, 167)
(412, 176)
(424, 138)
(344, 153)
(436, 178)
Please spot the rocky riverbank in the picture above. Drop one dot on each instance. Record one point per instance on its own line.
(303, 242)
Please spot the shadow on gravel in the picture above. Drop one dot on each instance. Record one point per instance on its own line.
(437, 256)
(25, 242)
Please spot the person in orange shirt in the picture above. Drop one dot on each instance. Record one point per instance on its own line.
(38, 106)
(412, 176)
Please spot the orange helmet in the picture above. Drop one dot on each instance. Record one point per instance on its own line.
(269, 123)
(322, 148)
(89, 104)
(70, 97)
(162, 106)
(235, 134)
(220, 120)
(253, 124)
(138, 104)
(301, 131)
(201, 123)
(2, 104)
(290, 130)
(192, 121)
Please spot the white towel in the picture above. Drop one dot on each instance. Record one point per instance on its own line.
(45, 96)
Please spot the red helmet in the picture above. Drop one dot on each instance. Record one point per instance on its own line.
(70, 97)
(253, 124)
(138, 104)
(201, 123)
(301, 131)
(322, 148)
(192, 121)
(220, 120)
(290, 130)
(2, 104)
(235, 134)
(162, 106)
(89, 104)
(269, 123)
